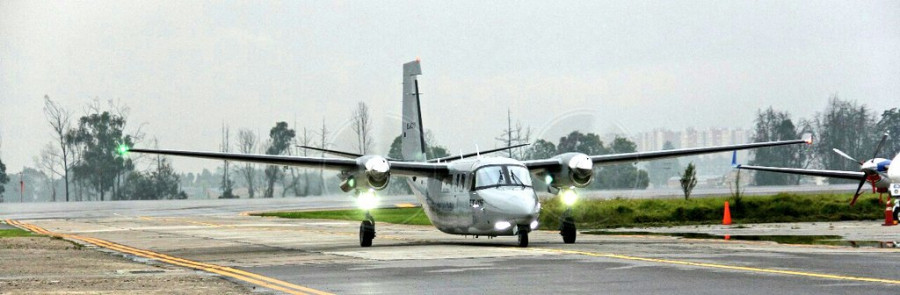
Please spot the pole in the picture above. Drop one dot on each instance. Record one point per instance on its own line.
(21, 187)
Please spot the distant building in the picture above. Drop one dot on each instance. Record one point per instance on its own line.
(690, 137)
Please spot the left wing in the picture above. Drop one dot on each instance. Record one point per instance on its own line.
(397, 168)
(612, 159)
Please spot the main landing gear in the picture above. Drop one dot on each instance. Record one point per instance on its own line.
(567, 227)
(367, 231)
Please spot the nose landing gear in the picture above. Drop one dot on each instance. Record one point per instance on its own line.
(567, 227)
(367, 231)
(523, 235)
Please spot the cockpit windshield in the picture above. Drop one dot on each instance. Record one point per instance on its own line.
(502, 175)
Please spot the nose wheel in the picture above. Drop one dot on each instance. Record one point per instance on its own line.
(521, 231)
(367, 231)
(567, 227)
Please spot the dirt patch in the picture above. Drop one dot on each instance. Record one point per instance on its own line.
(42, 265)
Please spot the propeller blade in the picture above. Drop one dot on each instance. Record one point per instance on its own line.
(856, 195)
(839, 152)
(878, 148)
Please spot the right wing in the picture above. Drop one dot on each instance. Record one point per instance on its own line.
(612, 159)
(854, 175)
(398, 168)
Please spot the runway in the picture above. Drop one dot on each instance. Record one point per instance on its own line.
(323, 256)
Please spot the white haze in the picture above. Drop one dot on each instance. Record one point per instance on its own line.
(185, 67)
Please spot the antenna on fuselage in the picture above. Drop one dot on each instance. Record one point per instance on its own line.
(477, 152)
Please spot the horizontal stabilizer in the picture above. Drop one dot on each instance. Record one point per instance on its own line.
(463, 156)
(334, 152)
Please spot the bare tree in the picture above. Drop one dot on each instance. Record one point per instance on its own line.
(48, 164)
(247, 144)
(514, 135)
(225, 147)
(362, 126)
(59, 119)
(323, 144)
(306, 140)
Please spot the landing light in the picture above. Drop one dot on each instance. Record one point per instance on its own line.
(367, 200)
(534, 224)
(548, 179)
(502, 225)
(569, 196)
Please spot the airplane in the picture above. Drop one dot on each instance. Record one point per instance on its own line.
(462, 195)
(875, 171)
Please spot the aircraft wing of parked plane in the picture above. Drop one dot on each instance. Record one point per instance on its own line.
(875, 171)
(852, 175)
(488, 196)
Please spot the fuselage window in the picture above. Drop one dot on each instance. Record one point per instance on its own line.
(463, 183)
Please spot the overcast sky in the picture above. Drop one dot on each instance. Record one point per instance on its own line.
(185, 67)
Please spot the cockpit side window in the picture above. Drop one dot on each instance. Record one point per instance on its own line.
(519, 175)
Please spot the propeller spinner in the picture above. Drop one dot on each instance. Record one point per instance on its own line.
(869, 173)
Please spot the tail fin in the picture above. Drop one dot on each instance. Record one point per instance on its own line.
(413, 136)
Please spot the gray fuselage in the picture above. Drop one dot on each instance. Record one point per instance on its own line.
(480, 196)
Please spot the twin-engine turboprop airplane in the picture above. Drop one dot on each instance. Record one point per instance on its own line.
(479, 196)
(874, 171)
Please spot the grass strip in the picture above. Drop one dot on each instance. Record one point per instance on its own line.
(782, 207)
(414, 216)
(14, 232)
(615, 213)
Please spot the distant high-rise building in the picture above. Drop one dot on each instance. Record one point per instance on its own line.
(689, 138)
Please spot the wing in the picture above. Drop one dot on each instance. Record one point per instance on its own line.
(612, 159)
(854, 175)
(339, 164)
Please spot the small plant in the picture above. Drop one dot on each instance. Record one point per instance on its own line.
(688, 180)
(737, 194)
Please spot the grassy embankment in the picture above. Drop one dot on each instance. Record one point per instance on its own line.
(782, 207)
(15, 232)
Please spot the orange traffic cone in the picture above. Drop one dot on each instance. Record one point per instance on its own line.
(726, 220)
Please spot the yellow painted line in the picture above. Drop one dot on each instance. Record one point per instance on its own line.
(724, 266)
(249, 277)
(406, 205)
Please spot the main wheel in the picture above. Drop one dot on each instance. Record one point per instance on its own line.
(568, 231)
(366, 233)
(523, 239)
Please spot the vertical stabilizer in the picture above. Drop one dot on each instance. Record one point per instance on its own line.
(413, 136)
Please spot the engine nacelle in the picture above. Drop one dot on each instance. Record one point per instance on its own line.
(373, 172)
(575, 169)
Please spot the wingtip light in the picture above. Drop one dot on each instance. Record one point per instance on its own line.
(122, 149)
(807, 137)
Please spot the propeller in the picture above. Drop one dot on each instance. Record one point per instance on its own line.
(839, 152)
(878, 148)
(862, 182)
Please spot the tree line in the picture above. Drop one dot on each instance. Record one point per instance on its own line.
(82, 162)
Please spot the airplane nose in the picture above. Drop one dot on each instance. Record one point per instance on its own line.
(512, 203)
